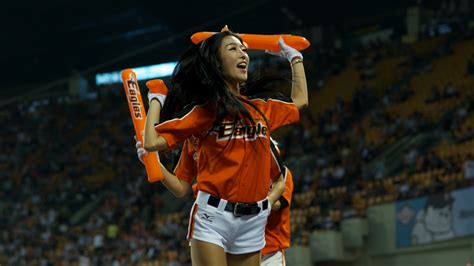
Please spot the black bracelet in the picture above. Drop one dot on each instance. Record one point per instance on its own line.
(283, 202)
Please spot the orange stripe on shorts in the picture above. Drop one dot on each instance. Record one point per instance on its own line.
(283, 257)
(191, 221)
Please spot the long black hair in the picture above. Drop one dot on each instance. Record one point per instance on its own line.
(197, 79)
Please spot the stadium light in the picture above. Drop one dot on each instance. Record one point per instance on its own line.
(143, 73)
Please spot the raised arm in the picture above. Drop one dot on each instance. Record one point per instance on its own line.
(152, 140)
(299, 88)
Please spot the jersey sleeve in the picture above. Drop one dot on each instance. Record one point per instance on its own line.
(276, 165)
(195, 122)
(288, 186)
(281, 113)
(186, 167)
(195, 190)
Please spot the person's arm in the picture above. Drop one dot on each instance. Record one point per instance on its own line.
(152, 140)
(175, 185)
(299, 87)
(280, 204)
(276, 190)
(285, 199)
(178, 187)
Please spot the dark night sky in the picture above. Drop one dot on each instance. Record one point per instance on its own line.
(45, 41)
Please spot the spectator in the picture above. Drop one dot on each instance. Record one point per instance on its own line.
(450, 91)
(410, 159)
(470, 66)
(431, 162)
(435, 95)
(468, 167)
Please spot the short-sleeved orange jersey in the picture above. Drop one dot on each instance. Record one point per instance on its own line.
(232, 163)
(277, 231)
(186, 168)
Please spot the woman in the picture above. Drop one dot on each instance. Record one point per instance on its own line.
(231, 135)
(277, 230)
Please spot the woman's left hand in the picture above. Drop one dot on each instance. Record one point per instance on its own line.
(286, 51)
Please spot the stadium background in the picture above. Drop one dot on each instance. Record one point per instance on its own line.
(388, 132)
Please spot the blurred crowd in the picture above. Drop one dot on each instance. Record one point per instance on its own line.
(62, 156)
(334, 182)
(74, 193)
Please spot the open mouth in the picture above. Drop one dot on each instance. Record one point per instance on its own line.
(242, 65)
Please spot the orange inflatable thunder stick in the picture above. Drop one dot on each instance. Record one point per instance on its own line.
(260, 41)
(137, 111)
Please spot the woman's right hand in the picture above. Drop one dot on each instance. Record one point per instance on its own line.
(140, 150)
(276, 205)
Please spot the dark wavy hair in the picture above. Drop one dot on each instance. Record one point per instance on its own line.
(197, 79)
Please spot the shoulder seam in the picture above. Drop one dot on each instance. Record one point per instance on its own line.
(181, 118)
(270, 99)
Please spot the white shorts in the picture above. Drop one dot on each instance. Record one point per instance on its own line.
(235, 234)
(276, 258)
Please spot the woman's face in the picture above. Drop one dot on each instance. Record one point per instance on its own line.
(234, 59)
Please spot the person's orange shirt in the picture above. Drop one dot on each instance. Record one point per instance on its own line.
(277, 231)
(233, 166)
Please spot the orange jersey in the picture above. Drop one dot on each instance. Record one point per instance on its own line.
(277, 231)
(231, 164)
(186, 167)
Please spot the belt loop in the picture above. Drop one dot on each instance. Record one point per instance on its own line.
(264, 204)
(201, 199)
(221, 207)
